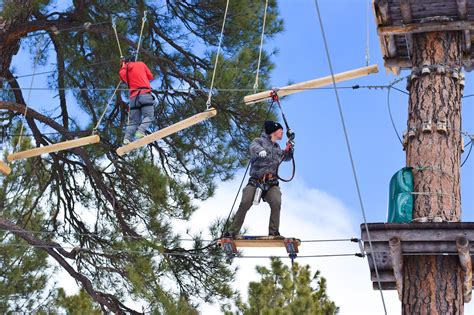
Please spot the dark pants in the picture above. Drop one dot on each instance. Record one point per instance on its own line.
(272, 197)
(141, 115)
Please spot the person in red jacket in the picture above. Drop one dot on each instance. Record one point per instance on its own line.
(137, 76)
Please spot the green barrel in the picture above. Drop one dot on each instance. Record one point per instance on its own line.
(400, 203)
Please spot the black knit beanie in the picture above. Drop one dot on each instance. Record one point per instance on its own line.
(272, 126)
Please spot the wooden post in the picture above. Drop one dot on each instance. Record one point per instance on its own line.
(463, 247)
(311, 84)
(434, 284)
(65, 145)
(167, 131)
(397, 263)
(4, 168)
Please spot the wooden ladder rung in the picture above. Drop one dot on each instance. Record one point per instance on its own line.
(183, 124)
(4, 168)
(61, 146)
(311, 84)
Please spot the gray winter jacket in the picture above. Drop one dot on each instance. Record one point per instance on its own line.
(269, 164)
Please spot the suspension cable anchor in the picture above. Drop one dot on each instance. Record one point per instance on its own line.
(274, 95)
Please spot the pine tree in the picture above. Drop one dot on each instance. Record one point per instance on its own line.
(110, 219)
(284, 290)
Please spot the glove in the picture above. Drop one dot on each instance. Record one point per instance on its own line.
(262, 154)
(290, 144)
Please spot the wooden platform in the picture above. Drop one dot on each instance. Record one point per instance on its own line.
(413, 239)
(230, 245)
(397, 20)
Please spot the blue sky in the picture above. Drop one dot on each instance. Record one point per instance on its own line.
(322, 158)
(324, 185)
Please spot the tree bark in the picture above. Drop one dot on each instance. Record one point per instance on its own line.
(433, 284)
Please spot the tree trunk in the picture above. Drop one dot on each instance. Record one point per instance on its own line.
(9, 48)
(433, 284)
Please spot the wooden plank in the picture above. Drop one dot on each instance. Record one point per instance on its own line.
(311, 84)
(397, 62)
(407, 18)
(4, 168)
(385, 286)
(413, 247)
(61, 146)
(405, 9)
(467, 41)
(462, 9)
(397, 263)
(419, 235)
(439, 26)
(384, 276)
(167, 131)
(384, 11)
(463, 247)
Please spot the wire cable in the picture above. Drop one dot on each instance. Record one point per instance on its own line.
(391, 117)
(468, 153)
(107, 106)
(141, 33)
(185, 253)
(350, 152)
(367, 29)
(208, 103)
(255, 86)
(114, 26)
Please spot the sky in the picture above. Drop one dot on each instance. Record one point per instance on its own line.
(322, 201)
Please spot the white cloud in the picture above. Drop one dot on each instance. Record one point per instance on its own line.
(309, 214)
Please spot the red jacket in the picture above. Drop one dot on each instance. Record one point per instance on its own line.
(139, 76)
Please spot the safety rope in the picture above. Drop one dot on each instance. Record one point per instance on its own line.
(141, 33)
(106, 107)
(208, 103)
(35, 62)
(367, 29)
(289, 134)
(114, 26)
(341, 114)
(255, 86)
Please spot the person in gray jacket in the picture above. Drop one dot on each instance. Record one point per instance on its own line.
(265, 156)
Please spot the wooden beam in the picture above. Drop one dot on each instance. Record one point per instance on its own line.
(463, 247)
(467, 40)
(407, 18)
(397, 62)
(397, 263)
(439, 26)
(462, 9)
(384, 12)
(384, 276)
(298, 87)
(4, 168)
(61, 146)
(167, 131)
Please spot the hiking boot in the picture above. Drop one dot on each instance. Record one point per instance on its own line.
(276, 236)
(139, 135)
(228, 235)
